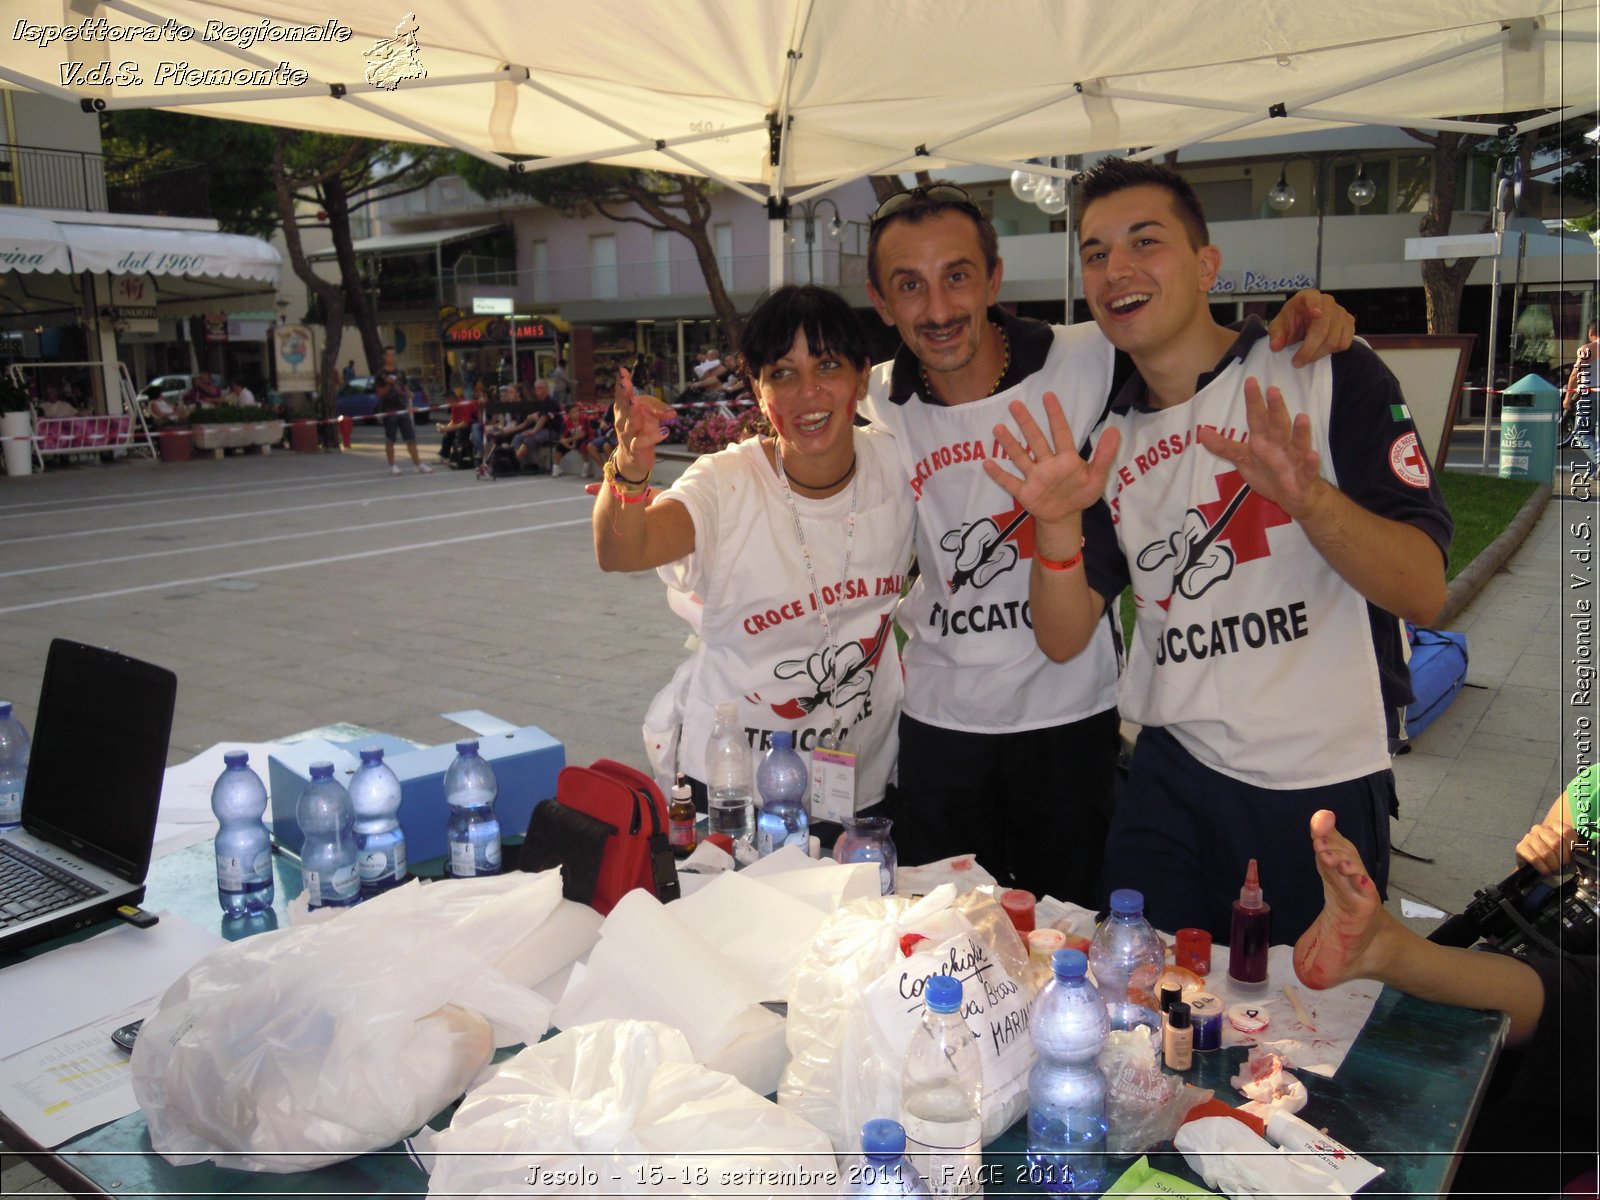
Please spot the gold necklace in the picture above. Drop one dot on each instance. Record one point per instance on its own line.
(1005, 365)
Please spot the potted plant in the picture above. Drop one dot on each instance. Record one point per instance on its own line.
(16, 426)
(219, 427)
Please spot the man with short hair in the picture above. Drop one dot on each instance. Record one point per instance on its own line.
(1272, 542)
(241, 395)
(542, 427)
(394, 406)
(1003, 752)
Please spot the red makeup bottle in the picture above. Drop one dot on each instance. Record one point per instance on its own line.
(1250, 936)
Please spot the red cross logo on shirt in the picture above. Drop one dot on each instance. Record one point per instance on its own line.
(1246, 532)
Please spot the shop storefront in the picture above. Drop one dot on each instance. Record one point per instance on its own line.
(498, 350)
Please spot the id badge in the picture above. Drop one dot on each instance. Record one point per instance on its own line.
(833, 784)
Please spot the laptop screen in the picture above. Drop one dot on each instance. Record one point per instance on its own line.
(99, 754)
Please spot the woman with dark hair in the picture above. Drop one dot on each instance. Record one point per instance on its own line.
(787, 553)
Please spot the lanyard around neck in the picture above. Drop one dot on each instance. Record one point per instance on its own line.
(805, 553)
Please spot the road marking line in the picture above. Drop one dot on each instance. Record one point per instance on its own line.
(310, 562)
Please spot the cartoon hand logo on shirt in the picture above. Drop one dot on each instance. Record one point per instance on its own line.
(837, 680)
(982, 552)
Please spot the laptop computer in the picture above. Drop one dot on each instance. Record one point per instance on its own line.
(92, 794)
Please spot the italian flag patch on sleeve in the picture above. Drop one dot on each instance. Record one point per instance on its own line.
(1399, 412)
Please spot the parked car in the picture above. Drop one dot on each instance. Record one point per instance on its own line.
(169, 387)
(358, 400)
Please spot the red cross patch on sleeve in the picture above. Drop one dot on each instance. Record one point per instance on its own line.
(1407, 462)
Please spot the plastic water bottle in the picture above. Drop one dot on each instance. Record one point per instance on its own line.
(1126, 949)
(1066, 1091)
(244, 853)
(474, 830)
(782, 778)
(14, 750)
(730, 795)
(375, 793)
(328, 854)
(882, 1168)
(941, 1095)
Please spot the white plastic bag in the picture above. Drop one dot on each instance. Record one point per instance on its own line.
(298, 1048)
(620, 1108)
(856, 999)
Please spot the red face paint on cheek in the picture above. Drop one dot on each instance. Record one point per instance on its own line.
(778, 423)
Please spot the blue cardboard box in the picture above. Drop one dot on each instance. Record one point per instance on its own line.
(526, 762)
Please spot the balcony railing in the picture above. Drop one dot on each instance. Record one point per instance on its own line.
(39, 177)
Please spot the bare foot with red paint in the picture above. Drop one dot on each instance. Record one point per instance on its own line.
(1351, 934)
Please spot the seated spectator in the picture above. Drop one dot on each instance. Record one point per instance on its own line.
(56, 406)
(574, 432)
(165, 412)
(1535, 1130)
(202, 392)
(542, 428)
(596, 450)
(240, 395)
(710, 373)
(462, 443)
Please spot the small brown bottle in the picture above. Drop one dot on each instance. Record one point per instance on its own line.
(681, 820)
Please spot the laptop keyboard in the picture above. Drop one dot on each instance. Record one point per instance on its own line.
(31, 887)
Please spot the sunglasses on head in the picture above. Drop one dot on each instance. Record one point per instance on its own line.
(943, 194)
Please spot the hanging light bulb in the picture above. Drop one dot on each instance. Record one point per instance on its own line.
(1281, 197)
(1024, 184)
(1052, 197)
(789, 238)
(1361, 190)
(835, 227)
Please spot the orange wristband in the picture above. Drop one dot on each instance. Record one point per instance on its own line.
(1059, 564)
(638, 497)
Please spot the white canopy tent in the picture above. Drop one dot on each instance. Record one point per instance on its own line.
(781, 99)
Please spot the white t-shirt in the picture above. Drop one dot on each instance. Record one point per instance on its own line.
(971, 659)
(762, 643)
(1250, 649)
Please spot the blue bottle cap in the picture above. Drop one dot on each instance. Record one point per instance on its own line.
(1069, 964)
(783, 739)
(1127, 901)
(883, 1138)
(470, 746)
(371, 754)
(322, 770)
(943, 993)
(235, 758)
(5, 709)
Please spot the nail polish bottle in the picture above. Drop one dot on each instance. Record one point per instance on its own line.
(1250, 935)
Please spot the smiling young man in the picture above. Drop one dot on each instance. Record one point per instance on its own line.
(1272, 542)
(1003, 752)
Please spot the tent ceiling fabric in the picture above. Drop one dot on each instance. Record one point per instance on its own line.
(871, 83)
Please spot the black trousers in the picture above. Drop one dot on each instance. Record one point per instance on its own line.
(1033, 806)
(1184, 835)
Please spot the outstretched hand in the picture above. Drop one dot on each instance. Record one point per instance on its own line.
(1056, 483)
(1277, 461)
(1317, 321)
(639, 425)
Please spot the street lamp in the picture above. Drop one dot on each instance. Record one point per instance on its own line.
(808, 210)
(1281, 198)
